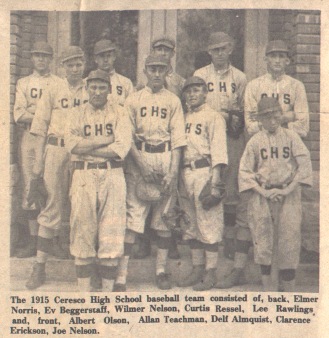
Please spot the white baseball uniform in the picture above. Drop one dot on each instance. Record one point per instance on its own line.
(98, 195)
(206, 139)
(273, 161)
(289, 92)
(50, 118)
(226, 92)
(157, 119)
(28, 92)
(121, 87)
(174, 82)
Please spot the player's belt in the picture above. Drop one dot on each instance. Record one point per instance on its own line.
(55, 141)
(198, 164)
(274, 186)
(81, 165)
(149, 148)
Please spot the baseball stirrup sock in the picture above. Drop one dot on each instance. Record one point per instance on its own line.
(242, 246)
(84, 284)
(122, 270)
(107, 272)
(198, 257)
(211, 260)
(240, 260)
(107, 284)
(161, 260)
(84, 271)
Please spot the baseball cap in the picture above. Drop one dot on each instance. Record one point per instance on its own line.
(267, 105)
(156, 60)
(276, 46)
(194, 80)
(98, 75)
(72, 52)
(164, 41)
(103, 46)
(42, 47)
(218, 39)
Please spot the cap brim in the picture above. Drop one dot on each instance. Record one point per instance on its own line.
(277, 50)
(156, 64)
(218, 45)
(163, 43)
(72, 57)
(105, 50)
(41, 52)
(97, 78)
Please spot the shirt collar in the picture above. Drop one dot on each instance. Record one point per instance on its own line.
(221, 72)
(147, 88)
(36, 74)
(277, 79)
(197, 109)
(94, 110)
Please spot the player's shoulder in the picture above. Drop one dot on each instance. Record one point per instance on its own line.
(238, 73)
(290, 134)
(203, 70)
(124, 79)
(257, 80)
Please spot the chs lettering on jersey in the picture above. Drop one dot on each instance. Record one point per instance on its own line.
(285, 97)
(190, 128)
(98, 129)
(275, 152)
(153, 111)
(222, 87)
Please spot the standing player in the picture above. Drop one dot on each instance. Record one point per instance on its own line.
(158, 131)
(28, 92)
(99, 138)
(105, 56)
(292, 97)
(203, 160)
(274, 165)
(163, 46)
(226, 85)
(52, 159)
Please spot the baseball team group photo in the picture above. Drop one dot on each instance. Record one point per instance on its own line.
(165, 150)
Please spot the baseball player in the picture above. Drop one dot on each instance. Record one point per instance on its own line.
(158, 130)
(28, 92)
(99, 137)
(52, 158)
(274, 165)
(292, 97)
(105, 56)
(226, 85)
(289, 92)
(163, 46)
(203, 160)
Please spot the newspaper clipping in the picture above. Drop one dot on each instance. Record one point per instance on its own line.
(164, 169)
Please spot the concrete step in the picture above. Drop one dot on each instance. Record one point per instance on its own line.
(61, 273)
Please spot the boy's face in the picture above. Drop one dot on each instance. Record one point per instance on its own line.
(74, 69)
(220, 56)
(105, 61)
(271, 121)
(98, 91)
(277, 62)
(195, 95)
(164, 51)
(41, 62)
(156, 76)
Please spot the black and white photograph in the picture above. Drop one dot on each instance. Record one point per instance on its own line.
(164, 157)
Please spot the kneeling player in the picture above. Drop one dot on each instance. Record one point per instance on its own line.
(274, 165)
(203, 161)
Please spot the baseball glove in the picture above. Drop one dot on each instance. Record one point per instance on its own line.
(37, 193)
(211, 196)
(149, 192)
(235, 124)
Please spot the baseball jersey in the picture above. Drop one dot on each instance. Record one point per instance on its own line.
(156, 117)
(53, 109)
(275, 159)
(120, 88)
(205, 131)
(87, 122)
(29, 90)
(289, 92)
(225, 90)
(174, 83)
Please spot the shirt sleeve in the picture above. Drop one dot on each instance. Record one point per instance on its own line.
(217, 140)
(301, 154)
(301, 124)
(247, 175)
(122, 134)
(177, 125)
(42, 116)
(20, 107)
(73, 129)
(250, 106)
(130, 88)
(241, 90)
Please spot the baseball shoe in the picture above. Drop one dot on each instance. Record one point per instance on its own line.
(30, 250)
(118, 287)
(207, 282)
(144, 249)
(194, 277)
(57, 250)
(229, 248)
(163, 281)
(38, 276)
(236, 277)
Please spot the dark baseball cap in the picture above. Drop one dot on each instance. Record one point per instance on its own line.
(72, 52)
(276, 46)
(103, 46)
(219, 39)
(164, 41)
(194, 80)
(99, 75)
(42, 47)
(156, 60)
(268, 105)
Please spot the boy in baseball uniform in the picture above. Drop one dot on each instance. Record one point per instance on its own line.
(99, 137)
(158, 131)
(274, 166)
(204, 158)
(105, 54)
(28, 92)
(52, 158)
